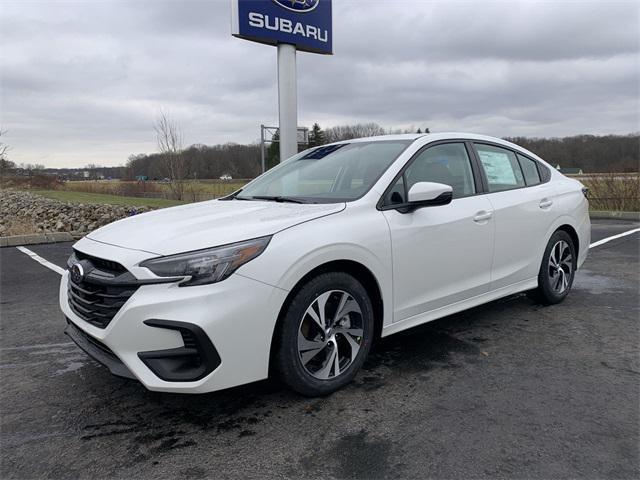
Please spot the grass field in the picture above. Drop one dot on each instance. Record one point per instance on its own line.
(84, 197)
(193, 189)
(613, 192)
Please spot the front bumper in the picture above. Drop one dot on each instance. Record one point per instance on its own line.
(97, 350)
(237, 315)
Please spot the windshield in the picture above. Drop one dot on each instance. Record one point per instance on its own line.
(333, 173)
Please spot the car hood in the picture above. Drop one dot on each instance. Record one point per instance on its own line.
(207, 224)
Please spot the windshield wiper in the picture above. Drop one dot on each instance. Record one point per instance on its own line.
(276, 198)
(231, 196)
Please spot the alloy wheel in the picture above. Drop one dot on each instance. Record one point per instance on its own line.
(330, 334)
(560, 267)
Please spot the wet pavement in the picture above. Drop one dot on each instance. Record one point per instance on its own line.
(511, 389)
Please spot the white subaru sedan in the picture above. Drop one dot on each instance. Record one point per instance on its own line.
(299, 272)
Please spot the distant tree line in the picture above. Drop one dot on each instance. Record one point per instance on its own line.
(88, 172)
(591, 153)
(200, 161)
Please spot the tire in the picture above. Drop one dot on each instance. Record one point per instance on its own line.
(556, 278)
(305, 355)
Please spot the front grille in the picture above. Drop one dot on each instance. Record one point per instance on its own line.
(101, 263)
(102, 292)
(97, 304)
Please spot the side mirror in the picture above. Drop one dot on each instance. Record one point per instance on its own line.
(429, 194)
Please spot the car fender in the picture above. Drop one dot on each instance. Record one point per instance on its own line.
(559, 222)
(364, 239)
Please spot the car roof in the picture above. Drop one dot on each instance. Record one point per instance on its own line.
(433, 137)
(380, 138)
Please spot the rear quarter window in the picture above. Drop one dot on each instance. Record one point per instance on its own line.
(545, 173)
(529, 170)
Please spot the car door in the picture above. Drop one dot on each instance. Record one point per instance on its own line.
(441, 254)
(523, 212)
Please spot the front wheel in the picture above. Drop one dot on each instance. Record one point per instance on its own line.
(325, 334)
(559, 262)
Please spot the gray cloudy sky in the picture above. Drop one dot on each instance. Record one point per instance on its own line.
(82, 82)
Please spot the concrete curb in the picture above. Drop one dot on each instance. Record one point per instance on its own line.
(634, 216)
(36, 238)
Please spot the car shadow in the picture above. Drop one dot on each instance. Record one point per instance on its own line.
(162, 420)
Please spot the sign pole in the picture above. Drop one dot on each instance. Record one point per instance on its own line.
(262, 161)
(287, 100)
(291, 25)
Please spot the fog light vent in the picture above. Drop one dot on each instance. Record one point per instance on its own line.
(194, 361)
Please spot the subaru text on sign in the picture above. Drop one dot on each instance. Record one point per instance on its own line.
(307, 24)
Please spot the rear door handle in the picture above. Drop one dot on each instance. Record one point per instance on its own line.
(482, 216)
(546, 203)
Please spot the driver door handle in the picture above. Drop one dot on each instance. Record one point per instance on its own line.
(482, 216)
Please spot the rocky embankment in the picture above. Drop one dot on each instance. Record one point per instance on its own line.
(24, 213)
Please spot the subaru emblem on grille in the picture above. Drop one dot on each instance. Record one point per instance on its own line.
(77, 273)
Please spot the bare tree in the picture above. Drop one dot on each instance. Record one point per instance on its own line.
(169, 138)
(95, 171)
(6, 165)
(4, 148)
(346, 132)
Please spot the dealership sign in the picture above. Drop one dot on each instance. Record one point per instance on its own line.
(303, 23)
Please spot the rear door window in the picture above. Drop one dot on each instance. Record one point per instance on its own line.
(501, 168)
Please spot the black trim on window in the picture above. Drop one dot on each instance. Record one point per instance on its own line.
(480, 179)
(474, 171)
(478, 169)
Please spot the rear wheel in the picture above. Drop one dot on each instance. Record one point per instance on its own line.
(557, 271)
(325, 334)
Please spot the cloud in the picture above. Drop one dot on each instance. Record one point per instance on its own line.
(82, 82)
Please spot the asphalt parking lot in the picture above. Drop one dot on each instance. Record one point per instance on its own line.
(511, 389)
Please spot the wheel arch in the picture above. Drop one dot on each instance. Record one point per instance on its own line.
(566, 224)
(573, 234)
(356, 269)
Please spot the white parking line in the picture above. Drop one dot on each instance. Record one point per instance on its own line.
(41, 260)
(608, 239)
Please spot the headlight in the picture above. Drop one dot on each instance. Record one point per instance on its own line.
(207, 266)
